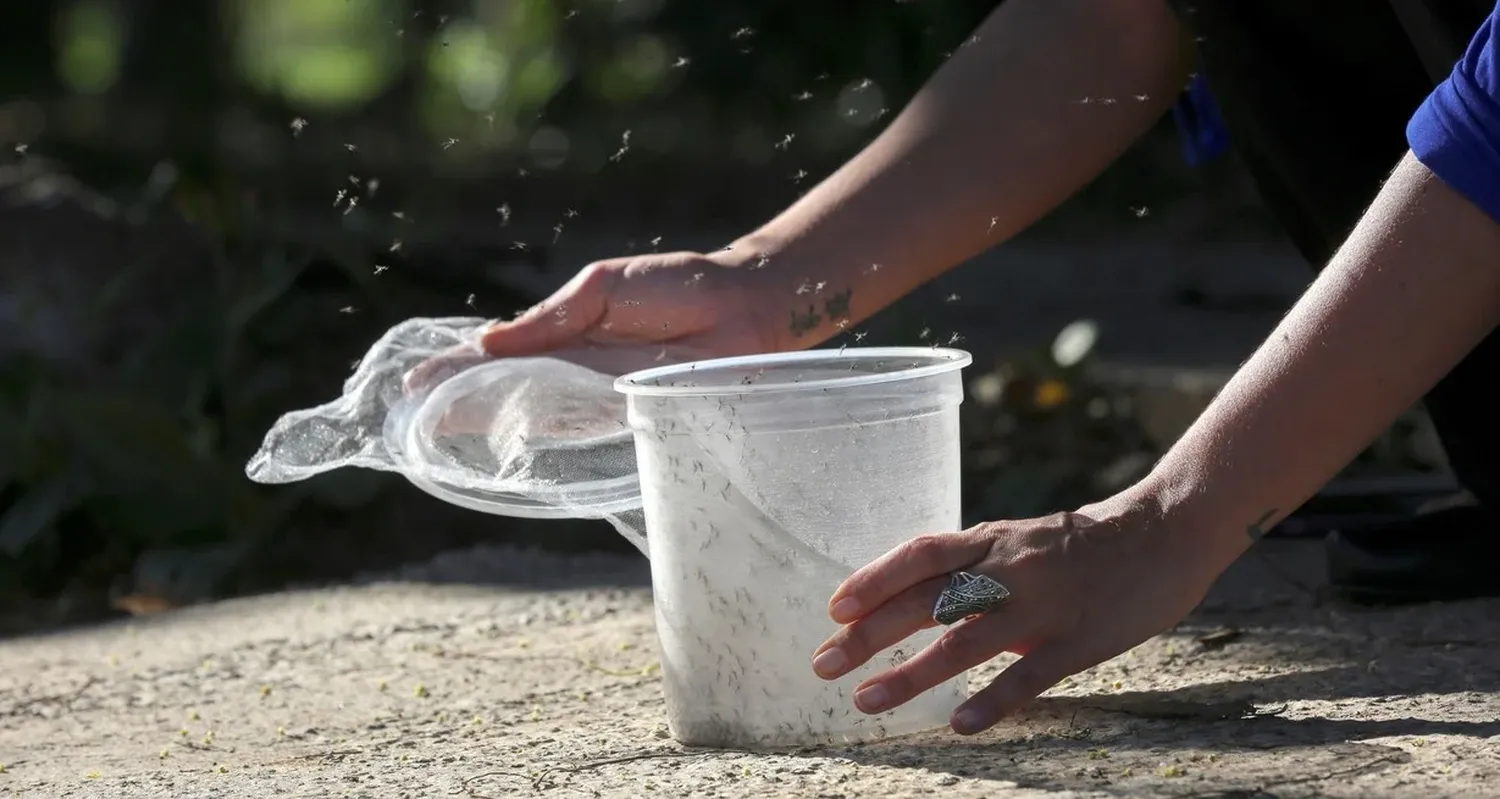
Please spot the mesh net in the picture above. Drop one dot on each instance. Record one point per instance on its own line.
(768, 479)
(535, 437)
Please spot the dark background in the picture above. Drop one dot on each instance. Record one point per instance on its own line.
(180, 262)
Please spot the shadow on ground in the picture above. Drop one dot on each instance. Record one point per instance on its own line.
(1306, 694)
(501, 672)
(1231, 735)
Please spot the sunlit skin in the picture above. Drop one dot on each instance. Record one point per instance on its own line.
(949, 178)
(1000, 136)
(1415, 287)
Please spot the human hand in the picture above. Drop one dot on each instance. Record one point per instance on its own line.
(624, 314)
(1084, 587)
(632, 310)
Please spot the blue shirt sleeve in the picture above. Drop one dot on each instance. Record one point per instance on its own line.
(1456, 131)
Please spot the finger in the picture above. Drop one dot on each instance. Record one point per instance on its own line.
(910, 563)
(440, 367)
(659, 299)
(1020, 683)
(960, 648)
(892, 622)
(556, 321)
(623, 357)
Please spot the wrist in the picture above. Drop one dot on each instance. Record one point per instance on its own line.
(756, 271)
(1191, 522)
(814, 289)
(771, 257)
(801, 300)
(742, 253)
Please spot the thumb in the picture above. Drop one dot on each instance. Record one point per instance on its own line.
(557, 321)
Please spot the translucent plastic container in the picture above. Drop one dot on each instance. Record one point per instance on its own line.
(765, 481)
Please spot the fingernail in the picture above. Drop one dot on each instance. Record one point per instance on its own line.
(968, 721)
(831, 663)
(845, 610)
(872, 699)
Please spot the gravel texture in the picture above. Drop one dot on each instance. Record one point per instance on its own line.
(501, 673)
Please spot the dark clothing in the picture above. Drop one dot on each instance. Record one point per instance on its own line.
(1317, 96)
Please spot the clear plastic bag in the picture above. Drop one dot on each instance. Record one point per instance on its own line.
(530, 437)
(767, 480)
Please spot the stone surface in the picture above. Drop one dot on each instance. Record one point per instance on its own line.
(497, 672)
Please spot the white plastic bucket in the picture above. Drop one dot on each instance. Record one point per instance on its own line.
(765, 481)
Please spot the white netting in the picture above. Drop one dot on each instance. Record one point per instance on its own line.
(349, 430)
(532, 437)
(768, 479)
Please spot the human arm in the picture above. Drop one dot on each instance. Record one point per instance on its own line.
(1414, 288)
(999, 136)
(1042, 98)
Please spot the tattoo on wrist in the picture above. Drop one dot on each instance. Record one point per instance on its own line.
(804, 323)
(1257, 529)
(835, 307)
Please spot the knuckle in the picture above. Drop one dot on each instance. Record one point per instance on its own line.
(594, 272)
(963, 645)
(859, 641)
(997, 539)
(986, 533)
(901, 685)
(870, 635)
(597, 271)
(1028, 679)
(926, 550)
(980, 531)
(954, 652)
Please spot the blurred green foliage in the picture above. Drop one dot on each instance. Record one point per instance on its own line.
(222, 79)
(253, 109)
(224, 113)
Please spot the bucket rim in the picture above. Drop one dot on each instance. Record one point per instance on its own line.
(927, 362)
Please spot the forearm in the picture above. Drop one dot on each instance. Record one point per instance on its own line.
(1038, 104)
(1416, 286)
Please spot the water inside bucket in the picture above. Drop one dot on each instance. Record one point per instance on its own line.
(765, 482)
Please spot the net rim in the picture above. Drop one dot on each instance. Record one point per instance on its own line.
(938, 360)
(626, 497)
(593, 499)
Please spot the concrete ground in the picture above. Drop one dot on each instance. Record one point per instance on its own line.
(501, 673)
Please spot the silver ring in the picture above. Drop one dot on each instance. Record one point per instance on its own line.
(968, 595)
